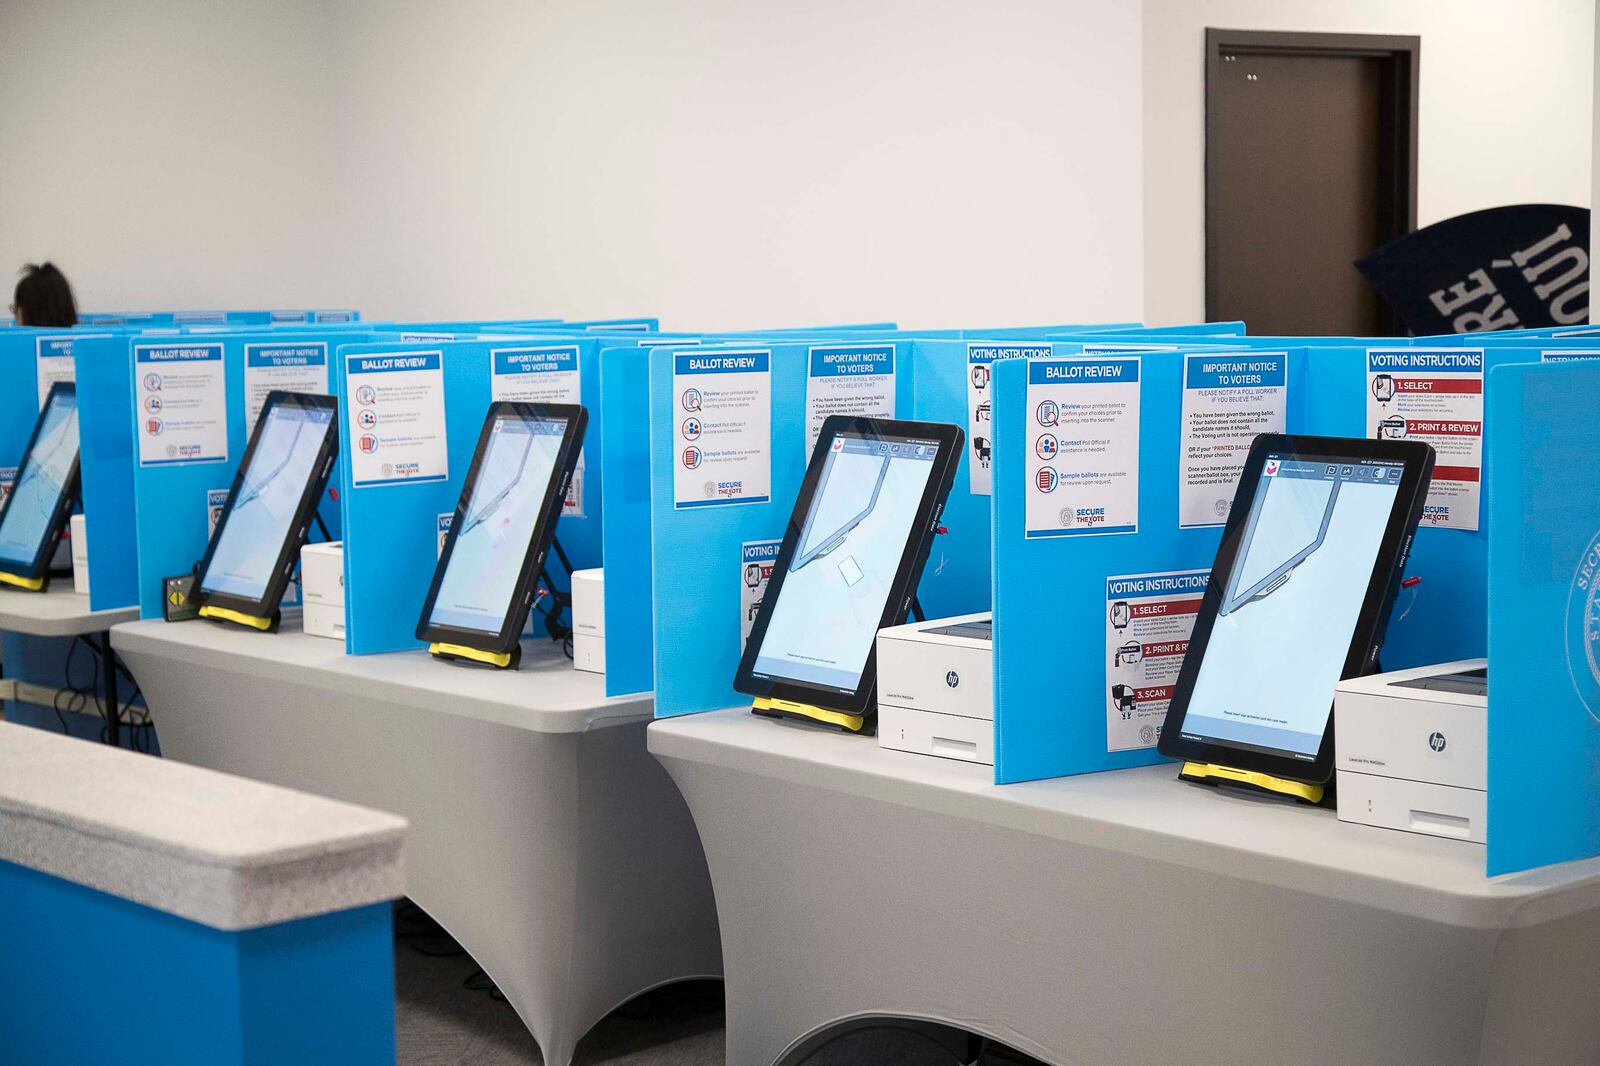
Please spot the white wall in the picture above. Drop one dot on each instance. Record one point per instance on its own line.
(1507, 96)
(169, 154)
(721, 164)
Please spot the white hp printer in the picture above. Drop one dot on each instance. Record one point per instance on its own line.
(936, 687)
(1411, 749)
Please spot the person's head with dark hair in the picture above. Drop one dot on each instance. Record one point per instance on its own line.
(43, 298)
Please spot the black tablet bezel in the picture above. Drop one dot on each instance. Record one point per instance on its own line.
(65, 499)
(1367, 637)
(311, 497)
(544, 530)
(919, 542)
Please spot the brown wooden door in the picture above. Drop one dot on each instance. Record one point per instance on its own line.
(1301, 182)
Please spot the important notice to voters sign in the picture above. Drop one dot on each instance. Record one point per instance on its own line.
(299, 367)
(395, 404)
(980, 406)
(180, 393)
(1083, 447)
(722, 439)
(848, 380)
(53, 361)
(1227, 400)
(1149, 618)
(541, 375)
(1434, 395)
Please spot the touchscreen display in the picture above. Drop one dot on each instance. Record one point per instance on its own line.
(489, 549)
(37, 489)
(254, 530)
(845, 560)
(1291, 603)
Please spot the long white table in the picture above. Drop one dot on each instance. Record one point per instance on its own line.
(62, 612)
(543, 835)
(1115, 918)
(59, 612)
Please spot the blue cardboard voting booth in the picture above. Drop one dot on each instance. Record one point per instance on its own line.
(410, 416)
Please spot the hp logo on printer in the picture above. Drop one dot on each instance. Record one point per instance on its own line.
(952, 678)
(1436, 741)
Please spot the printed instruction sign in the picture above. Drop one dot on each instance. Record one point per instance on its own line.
(396, 412)
(1227, 401)
(854, 379)
(8, 478)
(1083, 447)
(1434, 395)
(216, 500)
(1570, 356)
(52, 363)
(756, 560)
(181, 397)
(722, 449)
(541, 375)
(980, 407)
(1149, 618)
(298, 367)
(445, 521)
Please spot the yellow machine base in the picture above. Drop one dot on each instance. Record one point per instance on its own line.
(238, 618)
(769, 707)
(29, 584)
(499, 660)
(1212, 774)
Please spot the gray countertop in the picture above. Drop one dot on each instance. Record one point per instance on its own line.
(217, 849)
(546, 695)
(1149, 812)
(60, 612)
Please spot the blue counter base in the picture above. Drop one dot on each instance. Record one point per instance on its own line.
(86, 977)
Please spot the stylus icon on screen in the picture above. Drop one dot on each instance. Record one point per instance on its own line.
(484, 513)
(1273, 580)
(251, 493)
(837, 538)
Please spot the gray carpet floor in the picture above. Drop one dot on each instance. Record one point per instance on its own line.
(446, 1018)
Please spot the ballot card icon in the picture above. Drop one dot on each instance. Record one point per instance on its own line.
(692, 457)
(1046, 479)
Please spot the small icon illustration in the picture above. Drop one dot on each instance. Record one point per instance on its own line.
(952, 678)
(368, 443)
(153, 426)
(368, 419)
(1120, 614)
(1271, 469)
(691, 400)
(1392, 428)
(691, 428)
(692, 457)
(152, 402)
(752, 574)
(1048, 413)
(980, 377)
(152, 382)
(1046, 446)
(366, 395)
(1436, 741)
(1046, 479)
(1383, 388)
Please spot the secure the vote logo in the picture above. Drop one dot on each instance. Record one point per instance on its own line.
(1583, 629)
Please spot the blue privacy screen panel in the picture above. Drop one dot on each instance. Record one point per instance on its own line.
(1544, 618)
(700, 553)
(106, 450)
(191, 404)
(625, 518)
(393, 527)
(1054, 710)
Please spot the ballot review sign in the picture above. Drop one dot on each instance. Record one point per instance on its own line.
(1082, 464)
(722, 428)
(395, 407)
(180, 395)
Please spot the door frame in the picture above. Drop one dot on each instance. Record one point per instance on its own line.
(1401, 58)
